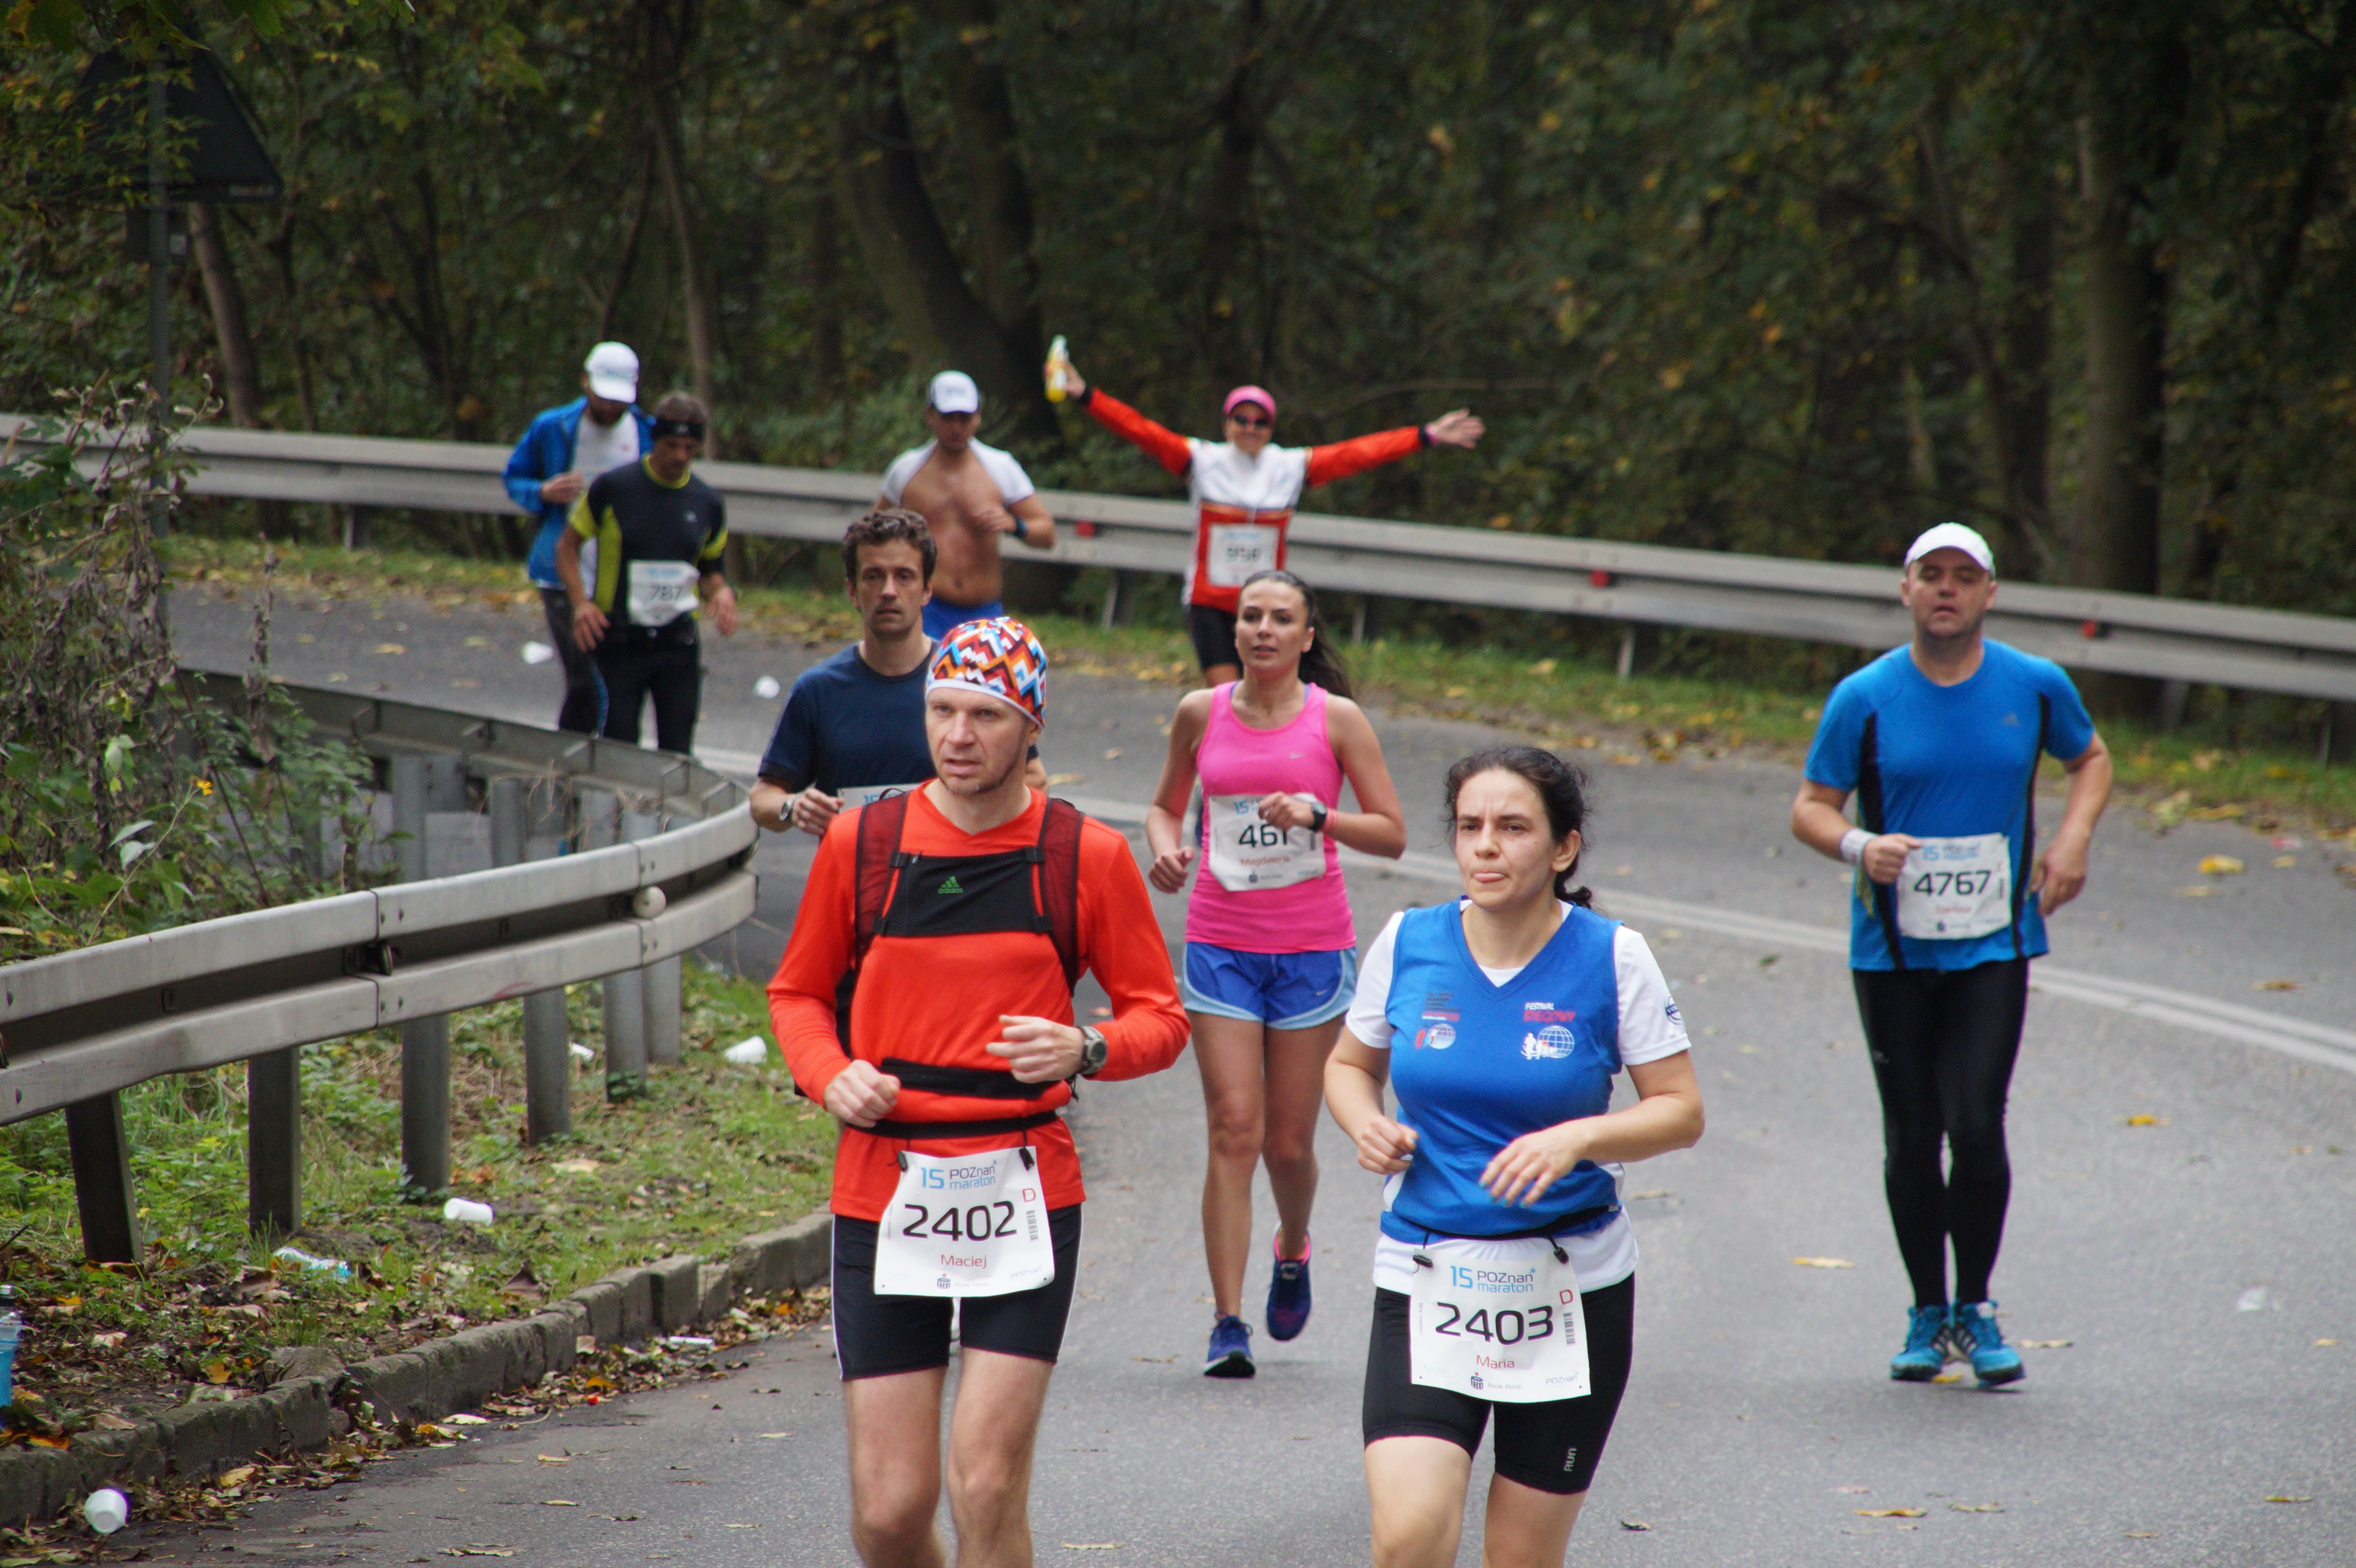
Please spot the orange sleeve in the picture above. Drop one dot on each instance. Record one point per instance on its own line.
(1165, 447)
(1120, 942)
(1357, 455)
(801, 994)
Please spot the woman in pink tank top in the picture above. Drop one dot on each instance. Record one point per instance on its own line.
(1271, 954)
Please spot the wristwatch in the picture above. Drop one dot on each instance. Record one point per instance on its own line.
(1316, 816)
(1093, 1051)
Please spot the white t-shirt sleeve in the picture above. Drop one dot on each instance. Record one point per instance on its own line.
(1650, 1025)
(1368, 1017)
(1013, 485)
(903, 468)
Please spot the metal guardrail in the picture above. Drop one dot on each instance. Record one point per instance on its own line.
(2257, 650)
(78, 1027)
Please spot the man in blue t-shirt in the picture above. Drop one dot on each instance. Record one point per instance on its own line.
(1940, 741)
(854, 728)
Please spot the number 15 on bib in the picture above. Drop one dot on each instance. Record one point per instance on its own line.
(967, 1224)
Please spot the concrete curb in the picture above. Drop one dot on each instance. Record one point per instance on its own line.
(435, 1380)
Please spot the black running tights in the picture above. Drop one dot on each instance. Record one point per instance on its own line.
(1943, 1043)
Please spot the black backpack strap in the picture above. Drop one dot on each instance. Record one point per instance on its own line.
(1869, 815)
(875, 860)
(1059, 882)
(2020, 873)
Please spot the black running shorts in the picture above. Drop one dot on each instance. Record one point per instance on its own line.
(876, 1336)
(1549, 1447)
(1214, 632)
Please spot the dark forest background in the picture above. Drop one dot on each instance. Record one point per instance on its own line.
(1761, 275)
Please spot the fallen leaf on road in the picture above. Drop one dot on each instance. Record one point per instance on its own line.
(1852, 1488)
(1950, 1376)
(2274, 984)
(1110, 755)
(1888, 1513)
(2143, 1535)
(391, 648)
(774, 1435)
(478, 1551)
(1976, 1508)
(2286, 1498)
(558, 1502)
(556, 1458)
(2226, 813)
(1824, 1262)
(1633, 1524)
(1066, 778)
(1654, 1192)
(2285, 862)
(1092, 1546)
(215, 1371)
(2320, 1342)
(237, 1477)
(740, 1526)
(2199, 892)
(465, 1420)
(2044, 1344)
(1163, 1360)
(2221, 866)
(2140, 1120)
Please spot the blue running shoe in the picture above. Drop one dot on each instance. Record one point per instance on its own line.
(1288, 1294)
(1230, 1354)
(1926, 1349)
(1975, 1336)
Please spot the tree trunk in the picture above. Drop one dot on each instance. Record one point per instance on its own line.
(2024, 413)
(1230, 227)
(233, 339)
(941, 319)
(981, 106)
(2128, 144)
(670, 31)
(827, 372)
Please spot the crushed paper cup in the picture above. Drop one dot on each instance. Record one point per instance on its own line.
(750, 1051)
(107, 1511)
(537, 652)
(581, 1052)
(766, 688)
(468, 1211)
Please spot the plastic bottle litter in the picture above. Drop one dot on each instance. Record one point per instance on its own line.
(107, 1511)
(581, 1052)
(12, 1323)
(750, 1051)
(537, 652)
(337, 1267)
(468, 1211)
(1059, 371)
(766, 688)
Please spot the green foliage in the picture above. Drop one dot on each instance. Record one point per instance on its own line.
(129, 804)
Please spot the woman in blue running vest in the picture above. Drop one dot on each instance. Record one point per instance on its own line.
(1504, 1273)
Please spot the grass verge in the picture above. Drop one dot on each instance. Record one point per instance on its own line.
(1571, 704)
(712, 1151)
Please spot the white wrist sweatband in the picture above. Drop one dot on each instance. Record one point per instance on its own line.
(1853, 843)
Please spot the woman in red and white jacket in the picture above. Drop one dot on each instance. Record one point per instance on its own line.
(1244, 489)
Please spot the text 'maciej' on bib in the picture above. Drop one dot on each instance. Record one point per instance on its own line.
(1507, 1327)
(1953, 888)
(1248, 853)
(968, 1224)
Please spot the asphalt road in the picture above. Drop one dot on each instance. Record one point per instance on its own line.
(2189, 1267)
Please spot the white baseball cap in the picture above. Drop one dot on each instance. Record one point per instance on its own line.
(613, 372)
(1953, 536)
(953, 392)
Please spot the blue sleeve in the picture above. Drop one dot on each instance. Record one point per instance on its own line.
(523, 474)
(1832, 755)
(792, 757)
(2069, 728)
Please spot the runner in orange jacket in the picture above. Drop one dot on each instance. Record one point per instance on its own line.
(1244, 489)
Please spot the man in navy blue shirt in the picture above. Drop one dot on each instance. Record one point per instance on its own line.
(853, 729)
(1940, 740)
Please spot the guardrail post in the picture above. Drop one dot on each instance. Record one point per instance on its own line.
(626, 1035)
(547, 1064)
(2340, 735)
(273, 1143)
(101, 1172)
(424, 1042)
(664, 976)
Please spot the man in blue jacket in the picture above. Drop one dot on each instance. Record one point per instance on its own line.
(565, 448)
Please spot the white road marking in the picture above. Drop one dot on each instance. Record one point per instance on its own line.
(2318, 1043)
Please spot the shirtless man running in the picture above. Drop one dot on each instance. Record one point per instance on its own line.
(968, 493)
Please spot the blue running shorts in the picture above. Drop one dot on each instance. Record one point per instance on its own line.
(941, 617)
(1282, 990)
